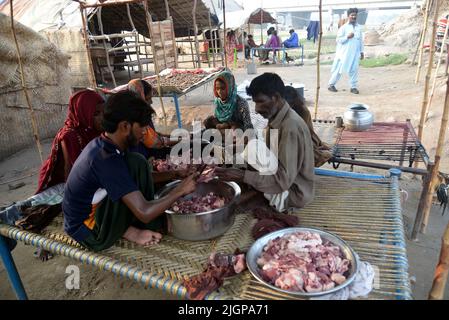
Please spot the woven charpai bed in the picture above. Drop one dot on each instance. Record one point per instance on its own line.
(363, 210)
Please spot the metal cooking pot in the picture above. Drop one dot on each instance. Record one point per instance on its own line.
(203, 225)
(358, 117)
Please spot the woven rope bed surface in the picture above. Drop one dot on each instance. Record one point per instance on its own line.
(367, 214)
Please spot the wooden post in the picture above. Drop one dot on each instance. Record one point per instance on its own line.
(429, 72)
(191, 50)
(432, 91)
(419, 45)
(318, 62)
(156, 65)
(423, 38)
(136, 39)
(211, 37)
(100, 24)
(24, 88)
(204, 46)
(439, 151)
(167, 9)
(441, 272)
(175, 48)
(195, 30)
(261, 29)
(93, 82)
(162, 42)
(442, 269)
(424, 203)
(224, 35)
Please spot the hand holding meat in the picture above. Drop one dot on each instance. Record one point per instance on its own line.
(351, 35)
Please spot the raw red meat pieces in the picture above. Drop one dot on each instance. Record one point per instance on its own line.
(303, 262)
(197, 203)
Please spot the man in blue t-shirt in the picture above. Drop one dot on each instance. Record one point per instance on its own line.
(109, 193)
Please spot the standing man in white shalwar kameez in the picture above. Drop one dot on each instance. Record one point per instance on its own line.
(349, 52)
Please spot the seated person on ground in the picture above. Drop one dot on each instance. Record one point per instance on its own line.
(109, 193)
(231, 110)
(83, 123)
(297, 103)
(292, 183)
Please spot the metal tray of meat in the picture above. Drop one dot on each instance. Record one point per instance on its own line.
(256, 249)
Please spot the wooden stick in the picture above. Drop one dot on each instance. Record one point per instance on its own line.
(432, 91)
(191, 50)
(149, 20)
(163, 43)
(420, 34)
(136, 40)
(423, 201)
(224, 35)
(87, 45)
(429, 72)
(167, 9)
(318, 63)
(261, 29)
(423, 37)
(441, 271)
(108, 62)
(24, 88)
(195, 30)
(113, 35)
(211, 36)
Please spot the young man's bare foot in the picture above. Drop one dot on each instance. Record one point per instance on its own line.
(142, 237)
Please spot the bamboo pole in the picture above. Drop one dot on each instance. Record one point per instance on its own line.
(163, 43)
(136, 40)
(423, 37)
(224, 35)
(441, 272)
(429, 72)
(87, 45)
(108, 62)
(156, 65)
(442, 269)
(420, 35)
(211, 36)
(432, 91)
(318, 62)
(261, 29)
(167, 9)
(191, 50)
(424, 202)
(195, 30)
(24, 88)
(175, 49)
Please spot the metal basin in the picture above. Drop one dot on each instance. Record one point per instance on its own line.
(358, 117)
(256, 250)
(204, 225)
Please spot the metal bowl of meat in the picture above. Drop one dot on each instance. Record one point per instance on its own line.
(304, 262)
(205, 214)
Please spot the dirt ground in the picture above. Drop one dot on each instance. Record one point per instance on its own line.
(392, 96)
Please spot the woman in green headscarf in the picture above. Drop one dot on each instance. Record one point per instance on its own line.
(231, 110)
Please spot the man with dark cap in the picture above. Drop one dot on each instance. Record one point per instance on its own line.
(349, 52)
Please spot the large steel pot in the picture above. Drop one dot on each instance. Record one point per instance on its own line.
(358, 117)
(204, 225)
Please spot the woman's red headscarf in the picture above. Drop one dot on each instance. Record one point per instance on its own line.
(77, 132)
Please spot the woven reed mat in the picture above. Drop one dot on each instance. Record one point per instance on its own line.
(367, 214)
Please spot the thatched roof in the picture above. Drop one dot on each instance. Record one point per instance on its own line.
(260, 16)
(56, 14)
